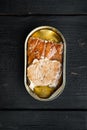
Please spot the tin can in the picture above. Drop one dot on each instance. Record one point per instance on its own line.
(52, 34)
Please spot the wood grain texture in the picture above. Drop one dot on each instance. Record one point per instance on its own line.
(45, 120)
(43, 7)
(18, 110)
(13, 31)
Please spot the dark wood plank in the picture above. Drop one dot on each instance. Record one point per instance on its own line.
(45, 120)
(13, 31)
(43, 6)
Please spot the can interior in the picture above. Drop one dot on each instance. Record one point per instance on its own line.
(47, 34)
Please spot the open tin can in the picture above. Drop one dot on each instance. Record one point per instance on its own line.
(52, 34)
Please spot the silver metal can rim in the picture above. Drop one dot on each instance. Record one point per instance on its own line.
(61, 88)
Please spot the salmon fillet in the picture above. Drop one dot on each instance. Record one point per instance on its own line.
(35, 49)
(44, 72)
(38, 48)
(54, 51)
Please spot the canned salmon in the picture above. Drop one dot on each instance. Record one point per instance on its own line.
(45, 63)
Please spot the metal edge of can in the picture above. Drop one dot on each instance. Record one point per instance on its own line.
(61, 88)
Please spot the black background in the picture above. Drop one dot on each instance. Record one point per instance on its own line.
(18, 110)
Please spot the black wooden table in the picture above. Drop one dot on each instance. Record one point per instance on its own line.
(18, 110)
